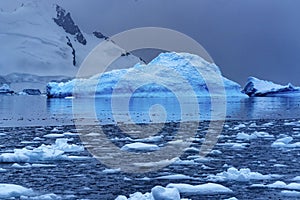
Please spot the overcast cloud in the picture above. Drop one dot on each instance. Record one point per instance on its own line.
(249, 37)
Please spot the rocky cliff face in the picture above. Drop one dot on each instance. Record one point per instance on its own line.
(65, 20)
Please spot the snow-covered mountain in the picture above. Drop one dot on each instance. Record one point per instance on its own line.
(257, 87)
(166, 72)
(42, 39)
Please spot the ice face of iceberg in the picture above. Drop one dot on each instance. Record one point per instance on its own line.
(5, 89)
(257, 87)
(168, 69)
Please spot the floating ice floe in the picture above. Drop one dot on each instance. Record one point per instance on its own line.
(280, 185)
(289, 193)
(5, 89)
(257, 87)
(2, 170)
(232, 145)
(175, 177)
(205, 189)
(28, 165)
(255, 135)
(285, 143)
(9, 191)
(46, 197)
(62, 144)
(297, 123)
(12, 191)
(172, 191)
(237, 127)
(139, 146)
(177, 66)
(297, 178)
(241, 175)
(280, 165)
(157, 193)
(150, 139)
(111, 171)
(54, 135)
(178, 161)
(43, 153)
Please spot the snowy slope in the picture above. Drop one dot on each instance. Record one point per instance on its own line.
(168, 69)
(42, 39)
(257, 87)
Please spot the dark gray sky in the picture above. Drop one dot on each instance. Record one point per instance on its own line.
(244, 37)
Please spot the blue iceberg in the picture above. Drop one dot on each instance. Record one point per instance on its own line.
(168, 74)
(262, 88)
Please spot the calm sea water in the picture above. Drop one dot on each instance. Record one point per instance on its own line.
(23, 118)
(38, 110)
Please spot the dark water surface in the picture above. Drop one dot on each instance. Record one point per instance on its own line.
(24, 118)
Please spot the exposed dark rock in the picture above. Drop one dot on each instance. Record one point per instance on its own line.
(65, 20)
(125, 54)
(2, 80)
(249, 89)
(32, 91)
(73, 50)
(99, 35)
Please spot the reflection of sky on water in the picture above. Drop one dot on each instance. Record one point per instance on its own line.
(15, 109)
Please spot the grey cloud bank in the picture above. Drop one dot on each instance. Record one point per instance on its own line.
(245, 38)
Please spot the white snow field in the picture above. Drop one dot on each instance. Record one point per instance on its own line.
(257, 87)
(32, 42)
(168, 69)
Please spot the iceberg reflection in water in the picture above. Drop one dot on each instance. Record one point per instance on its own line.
(14, 112)
(141, 109)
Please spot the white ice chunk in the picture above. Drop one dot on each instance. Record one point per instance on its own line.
(280, 185)
(139, 146)
(241, 175)
(175, 177)
(2, 170)
(111, 171)
(208, 188)
(54, 135)
(9, 191)
(285, 143)
(42, 153)
(161, 193)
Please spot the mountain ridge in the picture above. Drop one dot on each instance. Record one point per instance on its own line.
(43, 39)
